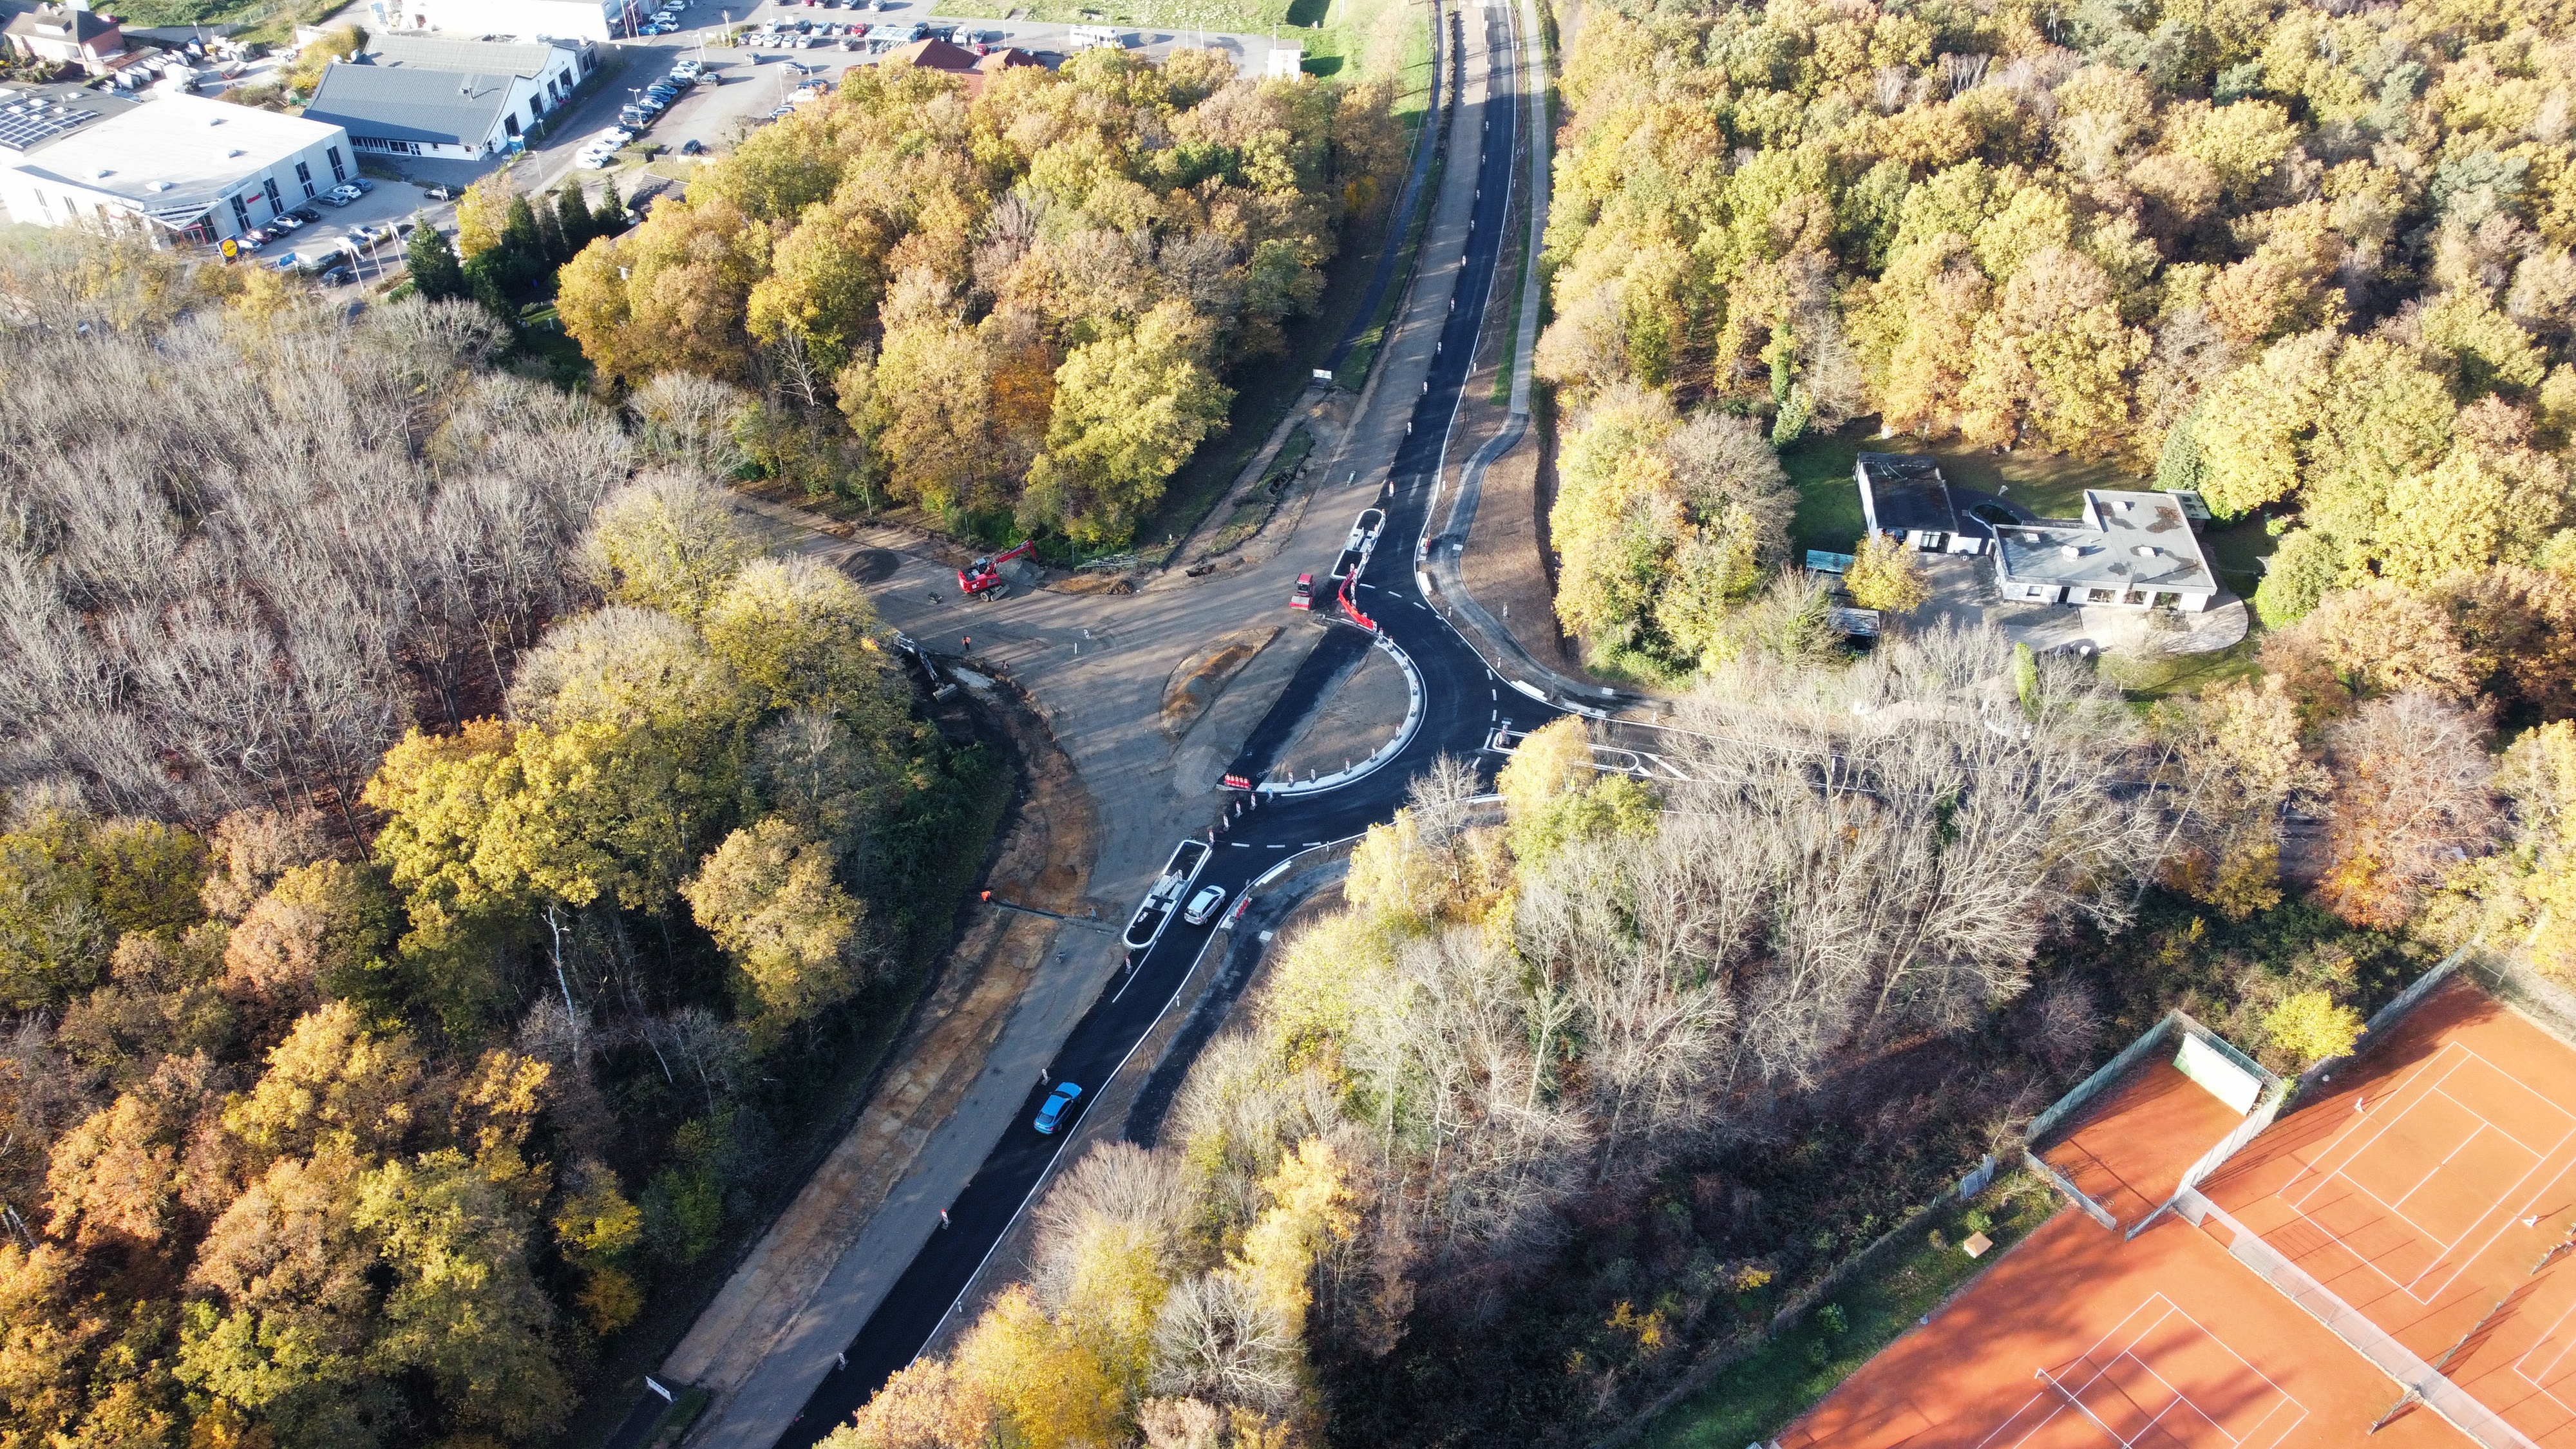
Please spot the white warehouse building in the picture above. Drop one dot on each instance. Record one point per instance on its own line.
(182, 168)
(521, 19)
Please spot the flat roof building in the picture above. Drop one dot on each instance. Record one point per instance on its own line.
(181, 167)
(2129, 549)
(1905, 495)
(522, 19)
(414, 95)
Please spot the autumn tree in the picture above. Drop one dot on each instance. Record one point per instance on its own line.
(768, 897)
(666, 541)
(1129, 410)
(1886, 575)
(2412, 794)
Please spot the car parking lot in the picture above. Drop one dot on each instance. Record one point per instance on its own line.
(367, 233)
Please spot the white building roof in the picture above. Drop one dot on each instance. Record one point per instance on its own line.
(2124, 541)
(175, 157)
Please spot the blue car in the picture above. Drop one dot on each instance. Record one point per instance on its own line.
(1058, 1102)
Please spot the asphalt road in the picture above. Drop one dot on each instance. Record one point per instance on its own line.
(1455, 722)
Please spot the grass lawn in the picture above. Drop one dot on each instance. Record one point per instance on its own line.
(2160, 676)
(272, 20)
(1829, 501)
(1757, 1396)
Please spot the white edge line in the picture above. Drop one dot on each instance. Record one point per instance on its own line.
(1040, 1185)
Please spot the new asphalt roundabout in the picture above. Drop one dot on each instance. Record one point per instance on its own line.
(1462, 701)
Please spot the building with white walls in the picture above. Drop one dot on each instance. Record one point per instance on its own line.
(415, 95)
(180, 168)
(518, 19)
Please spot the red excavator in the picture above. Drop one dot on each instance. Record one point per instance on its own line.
(984, 575)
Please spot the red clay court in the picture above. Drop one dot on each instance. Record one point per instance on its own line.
(2406, 1202)
(2423, 1185)
(2129, 1149)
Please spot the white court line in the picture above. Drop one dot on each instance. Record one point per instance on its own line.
(2170, 1309)
(2540, 1380)
(2320, 1177)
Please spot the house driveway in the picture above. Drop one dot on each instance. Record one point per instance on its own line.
(1964, 594)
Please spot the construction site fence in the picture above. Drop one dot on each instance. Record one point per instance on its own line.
(2420, 1379)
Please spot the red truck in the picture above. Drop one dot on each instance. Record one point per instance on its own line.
(984, 575)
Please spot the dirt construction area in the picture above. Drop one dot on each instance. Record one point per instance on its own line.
(1043, 860)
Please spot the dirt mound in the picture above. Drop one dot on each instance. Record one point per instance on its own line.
(1197, 681)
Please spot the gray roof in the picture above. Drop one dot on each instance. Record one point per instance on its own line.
(2124, 541)
(453, 108)
(1905, 493)
(52, 22)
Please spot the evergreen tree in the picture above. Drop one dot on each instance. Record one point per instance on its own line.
(609, 217)
(550, 239)
(489, 278)
(434, 270)
(573, 219)
(519, 234)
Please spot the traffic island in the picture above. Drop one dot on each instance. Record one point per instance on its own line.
(1358, 718)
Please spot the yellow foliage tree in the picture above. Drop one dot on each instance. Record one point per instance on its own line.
(2310, 1026)
(1311, 1207)
(1051, 1390)
(925, 1405)
(1887, 576)
(768, 897)
(481, 213)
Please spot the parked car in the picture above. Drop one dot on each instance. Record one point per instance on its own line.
(1058, 1102)
(342, 195)
(338, 277)
(308, 213)
(1204, 905)
(363, 184)
(250, 241)
(439, 193)
(283, 222)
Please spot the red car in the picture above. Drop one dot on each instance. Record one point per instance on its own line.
(1303, 596)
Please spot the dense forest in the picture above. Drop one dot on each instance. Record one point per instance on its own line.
(441, 857)
(2311, 261)
(1022, 302)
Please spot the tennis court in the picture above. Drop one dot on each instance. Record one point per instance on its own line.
(2393, 1263)
(2431, 1187)
(2128, 1153)
(2083, 1338)
(2160, 1380)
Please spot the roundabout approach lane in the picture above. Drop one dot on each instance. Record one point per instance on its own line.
(1464, 702)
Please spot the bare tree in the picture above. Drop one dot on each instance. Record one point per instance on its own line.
(236, 562)
(2413, 797)
(1216, 1340)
